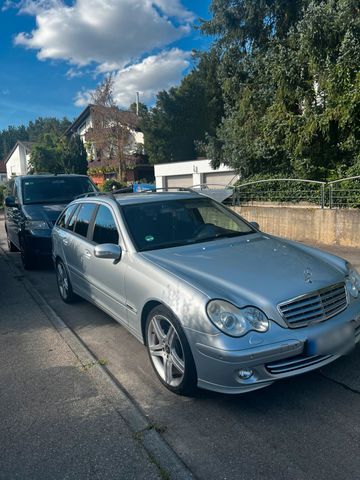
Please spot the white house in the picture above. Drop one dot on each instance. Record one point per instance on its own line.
(194, 172)
(17, 161)
(85, 122)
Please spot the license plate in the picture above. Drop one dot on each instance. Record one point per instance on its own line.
(331, 342)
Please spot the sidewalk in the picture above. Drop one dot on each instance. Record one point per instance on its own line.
(56, 422)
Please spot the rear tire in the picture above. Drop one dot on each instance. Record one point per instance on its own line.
(169, 352)
(64, 285)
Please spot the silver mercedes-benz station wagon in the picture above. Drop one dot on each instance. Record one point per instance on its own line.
(218, 303)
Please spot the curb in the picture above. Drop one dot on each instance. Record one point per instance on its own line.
(170, 466)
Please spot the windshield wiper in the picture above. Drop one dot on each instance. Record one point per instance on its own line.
(164, 245)
(220, 235)
(184, 243)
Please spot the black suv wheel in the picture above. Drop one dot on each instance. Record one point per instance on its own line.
(11, 246)
(28, 259)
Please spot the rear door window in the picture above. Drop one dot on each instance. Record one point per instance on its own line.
(83, 218)
(105, 229)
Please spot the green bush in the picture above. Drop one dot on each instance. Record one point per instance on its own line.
(277, 191)
(112, 184)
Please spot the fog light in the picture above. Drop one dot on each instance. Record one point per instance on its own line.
(245, 373)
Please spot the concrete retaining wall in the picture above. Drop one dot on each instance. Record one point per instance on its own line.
(331, 227)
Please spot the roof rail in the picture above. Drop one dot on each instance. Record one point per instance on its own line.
(95, 194)
(130, 190)
(177, 189)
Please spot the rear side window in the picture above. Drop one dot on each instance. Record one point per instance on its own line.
(84, 218)
(63, 220)
(72, 220)
(105, 230)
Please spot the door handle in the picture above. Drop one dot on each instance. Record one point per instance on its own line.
(87, 254)
(65, 242)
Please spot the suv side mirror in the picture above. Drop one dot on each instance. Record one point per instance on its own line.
(108, 250)
(255, 225)
(10, 201)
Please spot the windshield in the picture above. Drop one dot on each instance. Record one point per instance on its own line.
(165, 224)
(54, 189)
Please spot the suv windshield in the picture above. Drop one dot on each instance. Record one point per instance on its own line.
(171, 223)
(54, 189)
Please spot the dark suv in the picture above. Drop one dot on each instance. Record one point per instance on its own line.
(32, 208)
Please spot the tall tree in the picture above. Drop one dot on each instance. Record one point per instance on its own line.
(31, 132)
(73, 155)
(290, 78)
(45, 156)
(56, 154)
(41, 126)
(183, 117)
(111, 132)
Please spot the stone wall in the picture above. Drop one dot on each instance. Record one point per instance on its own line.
(332, 227)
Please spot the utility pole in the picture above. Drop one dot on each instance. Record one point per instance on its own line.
(137, 102)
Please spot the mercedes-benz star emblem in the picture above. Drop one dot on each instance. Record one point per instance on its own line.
(308, 275)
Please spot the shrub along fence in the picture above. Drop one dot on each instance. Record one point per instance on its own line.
(343, 193)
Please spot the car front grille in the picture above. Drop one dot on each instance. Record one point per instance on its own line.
(314, 307)
(295, 363)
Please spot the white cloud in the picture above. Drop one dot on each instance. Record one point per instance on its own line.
(154, 73)
(111, 33)
(83, 98)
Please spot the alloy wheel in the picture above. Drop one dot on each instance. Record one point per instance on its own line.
(166, 350)
(62, 280)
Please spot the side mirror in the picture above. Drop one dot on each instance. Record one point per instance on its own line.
(10, 201)
(108, 250)
(255, 225)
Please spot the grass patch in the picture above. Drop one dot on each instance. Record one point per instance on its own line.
(86, 366)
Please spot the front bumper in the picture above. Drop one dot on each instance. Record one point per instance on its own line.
(38, 242)
(282, 355)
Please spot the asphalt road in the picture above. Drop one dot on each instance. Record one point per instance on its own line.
(307, 427)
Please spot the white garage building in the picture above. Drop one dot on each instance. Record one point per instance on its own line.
(193, 172)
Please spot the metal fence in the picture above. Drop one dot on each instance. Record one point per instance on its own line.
(343, 193)
(281, 190)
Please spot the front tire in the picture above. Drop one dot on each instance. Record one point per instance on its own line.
(28, 259)
(64, 285)
(11, 246)
(169, 352)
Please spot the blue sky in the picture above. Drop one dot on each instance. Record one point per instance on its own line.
(54, 52)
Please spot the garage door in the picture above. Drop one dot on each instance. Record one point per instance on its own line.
(220, 178)
(179, 181)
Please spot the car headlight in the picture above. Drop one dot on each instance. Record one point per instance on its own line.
(36, 225)
(234, 321)
(352, 281)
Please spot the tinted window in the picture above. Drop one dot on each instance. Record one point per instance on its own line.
(72, 221)
(63, 220)
(83, 218)
(105, 230)
(166, 224)
(54, 189)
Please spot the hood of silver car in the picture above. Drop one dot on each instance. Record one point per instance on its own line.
(254, 269)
